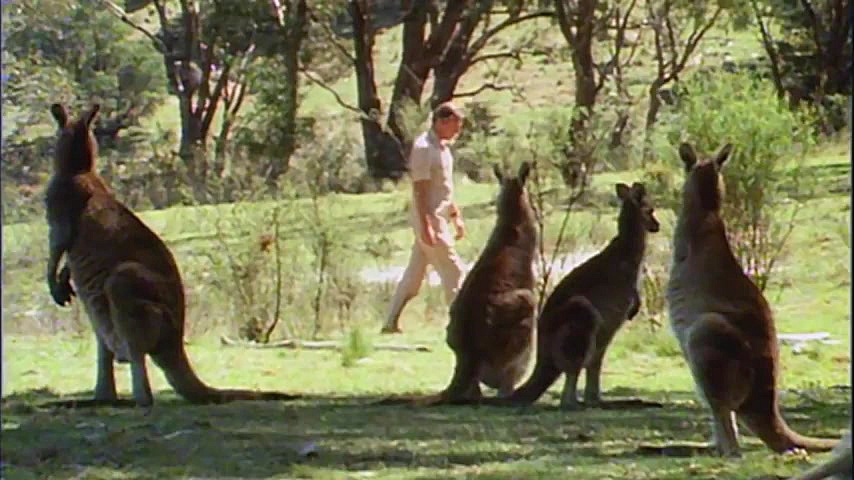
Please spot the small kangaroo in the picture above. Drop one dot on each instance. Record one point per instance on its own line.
(839, 467)
(491, 324)
(122, 272)
(722, 321)
(589, 305)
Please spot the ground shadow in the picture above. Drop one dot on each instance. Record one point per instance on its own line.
(263, 439)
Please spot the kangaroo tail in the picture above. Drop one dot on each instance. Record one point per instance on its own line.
(763, 417)
(181, 376)
(780, 437)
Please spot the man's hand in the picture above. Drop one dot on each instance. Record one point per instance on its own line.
(428, 234)
(459, 226)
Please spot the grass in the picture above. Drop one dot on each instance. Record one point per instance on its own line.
(357, 440)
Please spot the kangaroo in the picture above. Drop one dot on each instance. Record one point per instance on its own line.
(492, 317)
(123, 273)
(722, 321)
(839, 467)
(589, 305)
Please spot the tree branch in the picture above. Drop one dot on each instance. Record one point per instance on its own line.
(122, 15)
(330, 36)
(671, 37)
(768, 43)
(481, 42)
(320, 83)
(482, 88)
(693, 41)
(514, 54)
(656, 28)
(564, 22)
(213, 100)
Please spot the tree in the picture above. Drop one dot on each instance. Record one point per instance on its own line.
(203, 44)
(437, 40)
(581, 22)
(677, 30)
(85, 45)
(814, 58)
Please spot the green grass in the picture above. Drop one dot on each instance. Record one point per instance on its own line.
(358, 440)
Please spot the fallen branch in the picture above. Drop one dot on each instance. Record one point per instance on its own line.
(316, 345)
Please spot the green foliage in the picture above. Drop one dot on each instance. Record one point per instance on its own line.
(472, 145)
(356, 347)
(87, 45)
(764, 177)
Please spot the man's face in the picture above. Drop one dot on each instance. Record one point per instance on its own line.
(448, 128)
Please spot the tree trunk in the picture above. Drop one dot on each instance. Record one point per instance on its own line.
(383, 154)
(651, 117)
(192, 148)
(654, 104)
(296, 29)
(414, 68)
(768, 44)
(456, 60)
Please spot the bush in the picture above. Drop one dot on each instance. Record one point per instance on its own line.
(765, 174)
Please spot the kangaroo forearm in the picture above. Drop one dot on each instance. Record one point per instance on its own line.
(59, 240)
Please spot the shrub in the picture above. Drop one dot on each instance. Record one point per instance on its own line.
(765, 175)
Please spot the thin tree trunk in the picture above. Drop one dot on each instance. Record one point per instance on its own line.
(382, 153)
(414, 68)
(768, 44)
(296, 30)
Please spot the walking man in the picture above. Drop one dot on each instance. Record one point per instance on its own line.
(431, 167)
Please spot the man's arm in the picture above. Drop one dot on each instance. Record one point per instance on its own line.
(419, 171)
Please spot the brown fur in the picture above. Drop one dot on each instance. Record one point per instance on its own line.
(722, 321)
(491, 324)
(587, 307)
(123, 273)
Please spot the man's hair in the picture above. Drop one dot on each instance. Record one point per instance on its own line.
(446, 110)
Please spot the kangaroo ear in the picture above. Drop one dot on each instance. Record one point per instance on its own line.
(688, 156)
(497, 171)
(639, 190)
(93, 113)
(524, 171)
(723, 155)
(59, 114)
(623, 191)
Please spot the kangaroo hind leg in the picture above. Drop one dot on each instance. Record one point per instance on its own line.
(138, 317)
(574, 344)
(719, 358)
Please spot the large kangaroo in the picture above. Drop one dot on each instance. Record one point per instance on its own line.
(722, 321)
(123, 273)
(492, 317)
(589, 305)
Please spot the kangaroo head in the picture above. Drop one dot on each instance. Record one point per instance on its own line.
(76, 147)
(703, 183)
(512, 188)
(637, 203)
